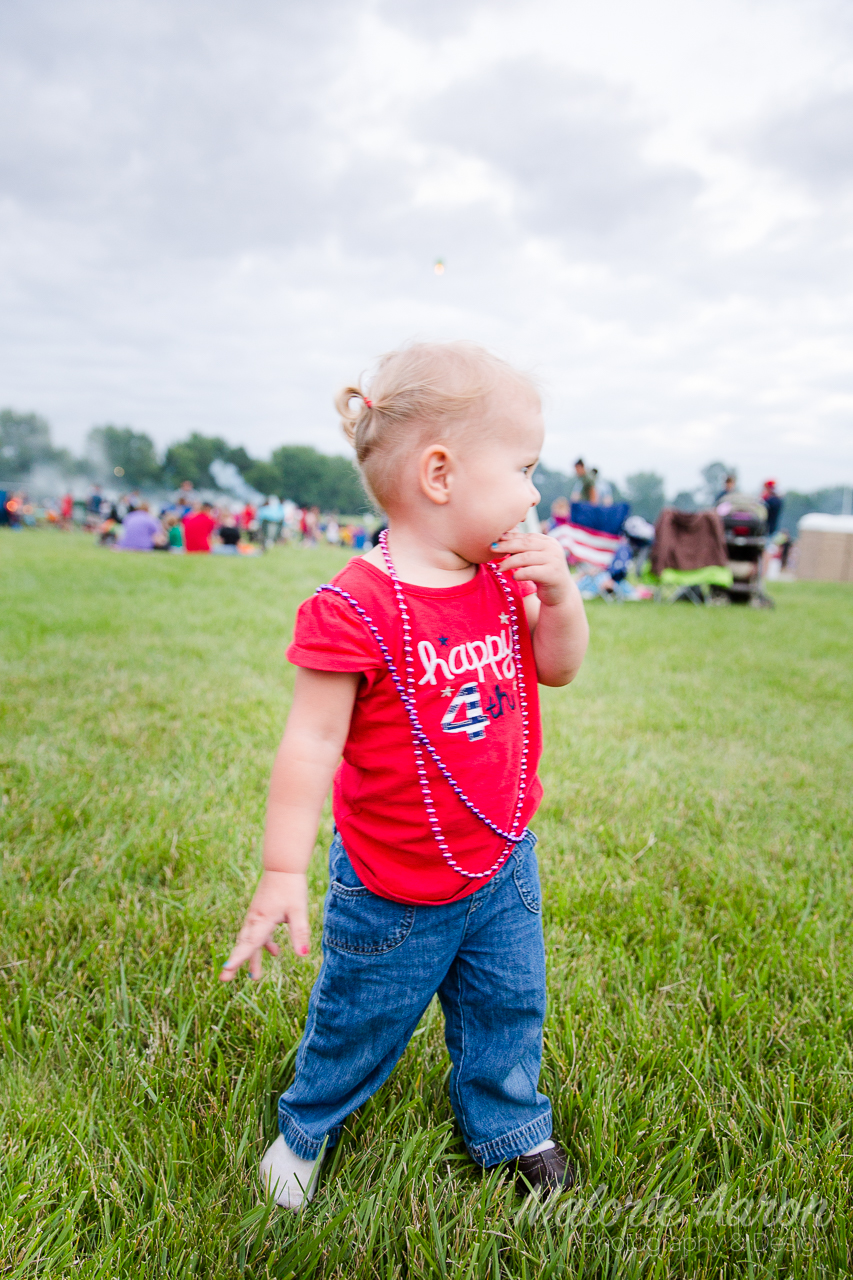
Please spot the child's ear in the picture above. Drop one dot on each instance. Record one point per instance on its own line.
(435, 474)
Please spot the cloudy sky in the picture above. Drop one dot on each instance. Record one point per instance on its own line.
(214, 212)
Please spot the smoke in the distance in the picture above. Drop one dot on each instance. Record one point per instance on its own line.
(228, 479)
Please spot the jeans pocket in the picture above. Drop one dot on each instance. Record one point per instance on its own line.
(526, 877)
(358, 923)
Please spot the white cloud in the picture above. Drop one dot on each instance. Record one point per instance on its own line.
(211, 215)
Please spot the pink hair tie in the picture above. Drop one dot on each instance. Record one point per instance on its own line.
(369, 403)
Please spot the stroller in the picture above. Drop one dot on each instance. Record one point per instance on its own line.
(745, 525)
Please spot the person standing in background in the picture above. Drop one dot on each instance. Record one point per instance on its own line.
(311, 526)
(729, 487)
(584, 488)
(773, 502)
(271, 517)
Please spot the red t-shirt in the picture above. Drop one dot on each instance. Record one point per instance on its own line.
(461, 640)
(197, 530)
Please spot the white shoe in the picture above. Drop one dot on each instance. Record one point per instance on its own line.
(289, 1179)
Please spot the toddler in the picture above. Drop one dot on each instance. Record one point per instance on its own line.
(418, 664)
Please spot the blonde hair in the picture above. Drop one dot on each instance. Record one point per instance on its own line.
(417, 395)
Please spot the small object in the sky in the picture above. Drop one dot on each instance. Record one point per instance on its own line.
(439, 267)
(118, 471)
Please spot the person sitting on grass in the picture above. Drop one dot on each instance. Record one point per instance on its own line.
(561, 513)
(174, 533)
(419, 662)
(110, 527)
(229, 538)
(197, 530)
(140, 530)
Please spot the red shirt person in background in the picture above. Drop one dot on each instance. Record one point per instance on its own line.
(197, 529)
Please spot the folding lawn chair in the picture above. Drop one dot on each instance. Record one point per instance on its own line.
(689, 557)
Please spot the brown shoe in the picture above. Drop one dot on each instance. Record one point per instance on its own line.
(546, 1172)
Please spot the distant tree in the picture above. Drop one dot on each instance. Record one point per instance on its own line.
(644, 491)
(63, 460)
(24, 443)
(556, 484)
(131, 452)
(239, 458)
(795, 505)
(685, 501)
(265, 477)
(310, 478)
(190, 460)
(551, 485)
(714, 477)
(344, 490)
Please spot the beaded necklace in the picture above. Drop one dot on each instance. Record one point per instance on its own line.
(420, 739)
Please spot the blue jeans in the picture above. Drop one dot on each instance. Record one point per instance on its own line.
(383, 962)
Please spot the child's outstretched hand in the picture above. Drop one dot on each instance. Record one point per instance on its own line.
(281, 897)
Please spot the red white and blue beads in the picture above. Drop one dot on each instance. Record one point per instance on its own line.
(420, 740)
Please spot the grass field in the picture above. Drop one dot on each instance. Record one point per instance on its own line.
(695, 845)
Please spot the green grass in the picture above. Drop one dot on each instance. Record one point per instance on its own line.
(695, 843)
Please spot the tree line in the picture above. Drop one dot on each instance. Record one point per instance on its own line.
(128, 458)
(122, 457)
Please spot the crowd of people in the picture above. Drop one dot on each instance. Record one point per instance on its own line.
(589, 488)
(187, 523)
(591, 527)
(192, 525)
